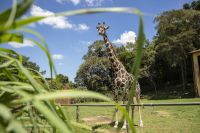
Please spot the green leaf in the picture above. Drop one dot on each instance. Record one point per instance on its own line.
(6, 64)
(23, 22)
(19, 23)
(7, 119)
(9, 51)
(21, 8)
(127, 116)
(44, 48)
(11, 37)
(51, 117)
(137, 62)
(12, 14)
(33, 82)
(66, 94)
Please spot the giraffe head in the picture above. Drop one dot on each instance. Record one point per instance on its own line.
(102, 29)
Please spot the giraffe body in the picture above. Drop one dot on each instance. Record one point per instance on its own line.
(121, 78)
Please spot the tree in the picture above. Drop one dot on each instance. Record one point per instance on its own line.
(195, 5)
(97, 49)
(177, 34)
(61, 81)
(95, 72)
(32, 66)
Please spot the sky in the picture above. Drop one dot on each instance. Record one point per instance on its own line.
(68, 38)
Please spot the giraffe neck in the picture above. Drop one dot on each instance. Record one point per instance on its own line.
(111, 52)
(116, 64)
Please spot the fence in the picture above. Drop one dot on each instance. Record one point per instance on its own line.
(48, 127)
(143, 105)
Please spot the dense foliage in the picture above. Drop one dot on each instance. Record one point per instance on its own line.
(95, 73)
(177, 35)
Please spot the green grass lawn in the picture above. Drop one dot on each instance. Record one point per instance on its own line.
(175, 119)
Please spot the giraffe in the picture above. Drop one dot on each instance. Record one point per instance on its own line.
(122, 79)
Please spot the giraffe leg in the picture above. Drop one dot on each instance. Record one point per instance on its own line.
(116, 110)
(139, 109)
(141, 122)
(125, 122)
(116, 118)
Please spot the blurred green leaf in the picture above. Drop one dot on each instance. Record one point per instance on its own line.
(66, 94)
(51, 117)
(30, 20)
(21, 9)
(11, 37)
(11, 125)
(12, 14)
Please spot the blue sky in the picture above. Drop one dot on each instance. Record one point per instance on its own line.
(68, 38)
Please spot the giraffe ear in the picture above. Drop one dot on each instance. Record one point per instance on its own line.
(107, 27)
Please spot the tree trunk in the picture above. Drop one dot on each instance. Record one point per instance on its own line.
(183, 75)
(154, 85)
(185, 71)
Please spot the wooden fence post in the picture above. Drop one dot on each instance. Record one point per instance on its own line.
(132, 112)
(77, 113)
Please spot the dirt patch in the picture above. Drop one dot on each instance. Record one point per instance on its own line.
(162, 113)
(98, 120)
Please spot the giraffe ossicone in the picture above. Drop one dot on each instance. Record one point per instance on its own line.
(122, 79)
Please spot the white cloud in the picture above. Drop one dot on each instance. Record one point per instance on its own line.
(26, 43)
(75, 2)
(56, 22)
(81, 27)
(88, 2)
(57, 56)
(94, 2)
(126, 37)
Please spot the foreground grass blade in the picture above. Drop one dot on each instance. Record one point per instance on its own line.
(12, 14)
(51, 65)
(45, 48)
(127, 116)
(51, 117)
(21, 8)
(7, 119)
(30, 20)
(34, 83)
(9, 51)
(11, 37)
(66, 94)
(137, 62)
